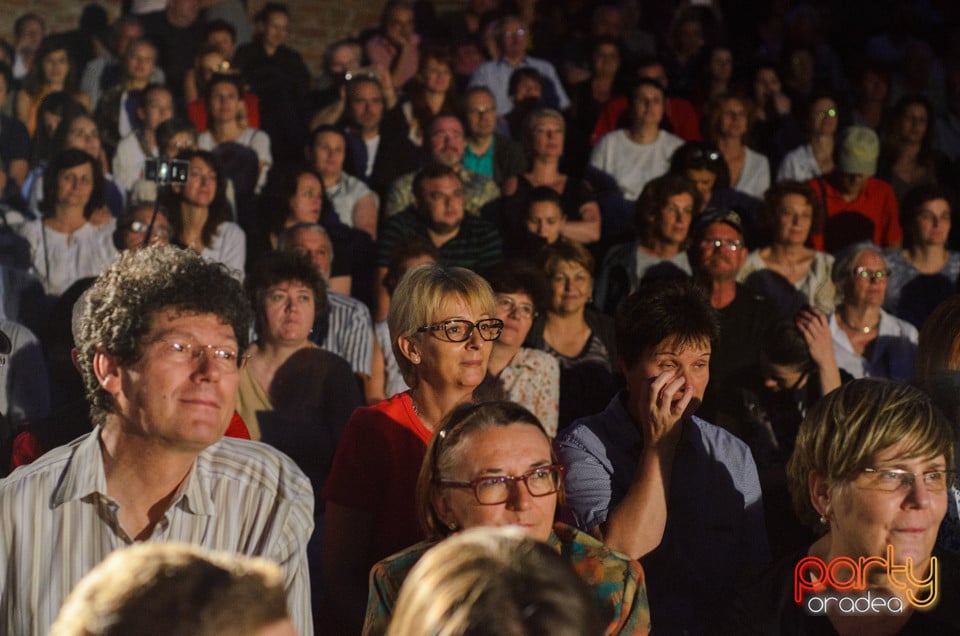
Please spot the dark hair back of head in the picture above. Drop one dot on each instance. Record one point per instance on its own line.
(519, 277)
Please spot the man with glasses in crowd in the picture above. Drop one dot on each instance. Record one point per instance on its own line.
(161, 340)
(717, 252)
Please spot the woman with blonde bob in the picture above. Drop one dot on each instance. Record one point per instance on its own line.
(870, 472)
(494, 581)
(492, 464)
(442, 328)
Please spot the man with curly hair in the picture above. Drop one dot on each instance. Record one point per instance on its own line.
(161, 340)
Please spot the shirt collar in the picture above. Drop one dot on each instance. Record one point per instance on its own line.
(84, 476)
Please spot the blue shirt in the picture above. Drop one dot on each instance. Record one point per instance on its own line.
(481, 164)
(495, 75)
(714, 539)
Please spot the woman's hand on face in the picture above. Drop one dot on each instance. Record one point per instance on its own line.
(815, 328)
(664, 411)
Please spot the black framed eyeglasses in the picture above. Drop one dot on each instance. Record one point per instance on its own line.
(457, 330)
(493, 490)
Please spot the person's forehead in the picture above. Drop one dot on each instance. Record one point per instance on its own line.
(309, 239)
(719, 229)
(366, 90)
(173, 318)
(447, 125)
(448, 183)
(329, 138)
(671, 345)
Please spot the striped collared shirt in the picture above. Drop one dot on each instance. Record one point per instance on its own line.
(349, 332)
(57, 522)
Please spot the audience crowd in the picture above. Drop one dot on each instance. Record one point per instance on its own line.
(666, 263)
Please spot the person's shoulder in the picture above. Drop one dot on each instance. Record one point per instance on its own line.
(398, 564)
(669, 140)
(719, 442)
(50, 463)
(536, 358)
(259, 465)
(348, 303)
(593, 430)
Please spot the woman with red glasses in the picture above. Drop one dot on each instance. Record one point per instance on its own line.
(493, 465)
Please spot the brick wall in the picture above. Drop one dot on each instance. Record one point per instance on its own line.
(315, 22)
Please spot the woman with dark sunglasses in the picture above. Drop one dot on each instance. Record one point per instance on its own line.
(493, 465)
(442, 328)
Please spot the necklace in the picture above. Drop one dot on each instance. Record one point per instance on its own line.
(863, 330)
(413, 403)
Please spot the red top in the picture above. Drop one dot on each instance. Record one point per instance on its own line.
(680, 113)
(375, 469)
(197, 112)
(876, 216)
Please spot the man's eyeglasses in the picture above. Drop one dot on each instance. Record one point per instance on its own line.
(731, 245)
(876, 274)
(894, 479)
(700, 154)
(524, 310)
(828, 113)
(139, 227)
(461, 330)
(225, 359)
(494, 490)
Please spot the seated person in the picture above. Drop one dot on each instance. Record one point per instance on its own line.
(657, 483)
(446, 143)
(664, 213)
(642, 151)
(489, 152)
(469, 478)
(868, 341)
(859, 207)
(154, 106)
(870, 458)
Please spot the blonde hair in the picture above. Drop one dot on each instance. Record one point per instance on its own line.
(172, 588)
(847, 428)
(419, 296)
(494, 581)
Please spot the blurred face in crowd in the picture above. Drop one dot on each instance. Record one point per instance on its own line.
(158, 108)
(316, 246)
(517, 312)
(513, 39)
(914, 123)
(366, 107)
(136, 232)
(306, 202)
(447, 143)
(606, 60)
(703, 179)
(864, 286)
(528, 88)
(224, 102)
(548, 137)
(201, 186)
(328, 154)
(399, 27)
(140, 62)
(74, 186)
(795, 220)
(733, 119)
(933, 222)
(824, 116)
(481, 115)
(572, 287)
(721, 64)
(276, 29)
(673, 222)
(647, 106)
(545, 219)
(766, 83)
(30, 36)
(344, 58)
(436, 76)
(223, 41)
(721, 263)
(178, 143)
(441, 203)
(83, 135)
(56, 67)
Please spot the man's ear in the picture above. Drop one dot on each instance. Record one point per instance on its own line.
(409, 348)
(108, 372)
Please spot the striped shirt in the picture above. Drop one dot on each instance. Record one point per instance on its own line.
(57, 522)
(349, 332)
(476, 246)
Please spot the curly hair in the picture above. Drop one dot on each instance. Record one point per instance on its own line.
(118, 311)
(773, 200)
(274, 268)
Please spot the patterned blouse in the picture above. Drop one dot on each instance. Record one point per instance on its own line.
(617, 583)
(532, 379)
